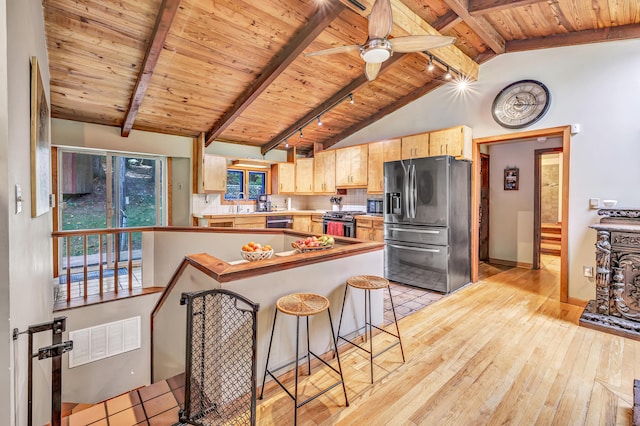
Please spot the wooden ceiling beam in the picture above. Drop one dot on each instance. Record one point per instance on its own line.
(168, 10)
(482, 7)
(406, 22)
(298, 43)
(329, 103)
(479, 25)
(623, 32)
(447, 21)
(416, 94)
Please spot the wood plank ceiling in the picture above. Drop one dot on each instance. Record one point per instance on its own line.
(235, 71)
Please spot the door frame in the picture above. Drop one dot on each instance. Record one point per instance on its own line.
(486, 215)
(564, 132)
(537, 202)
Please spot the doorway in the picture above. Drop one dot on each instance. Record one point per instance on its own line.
(564, 133)
(483, 249)
(547, 210)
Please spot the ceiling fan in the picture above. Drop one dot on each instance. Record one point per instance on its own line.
(378, 48)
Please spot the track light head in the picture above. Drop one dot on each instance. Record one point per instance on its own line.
(301, 133)
(430, 66)
(351, 98)
(319, 121)
(447, 75)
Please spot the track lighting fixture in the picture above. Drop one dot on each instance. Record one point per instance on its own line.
(447, 75)
(317, 118)
(431, 66)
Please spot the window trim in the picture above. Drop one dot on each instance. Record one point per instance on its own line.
(245, 184)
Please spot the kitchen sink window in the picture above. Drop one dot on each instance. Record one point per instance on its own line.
(248, 184)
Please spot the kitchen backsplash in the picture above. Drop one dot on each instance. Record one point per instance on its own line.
(210, 203)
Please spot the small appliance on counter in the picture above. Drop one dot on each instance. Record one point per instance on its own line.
(335, 201)
(374, 206)
(263, 203)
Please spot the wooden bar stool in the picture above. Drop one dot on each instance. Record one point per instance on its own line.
(303, 305)
(368, 283)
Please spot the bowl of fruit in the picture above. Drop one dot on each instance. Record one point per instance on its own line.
(314, 243)
(255, 251)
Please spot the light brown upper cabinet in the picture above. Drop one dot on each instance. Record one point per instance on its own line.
(283, 178)
(214, 173)
(304, 176)
(351, 166)
(415, 146)
(324, 172)
(454, 141)
(379, 153)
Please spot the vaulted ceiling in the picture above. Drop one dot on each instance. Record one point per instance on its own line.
(235, 70)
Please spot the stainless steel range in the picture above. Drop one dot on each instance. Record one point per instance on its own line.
(340, 223)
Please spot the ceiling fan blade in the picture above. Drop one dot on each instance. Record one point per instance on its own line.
(419, 43)
(371, 70)
(380, 19)
(333, 50)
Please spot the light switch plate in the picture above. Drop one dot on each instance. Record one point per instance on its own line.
(594, 203)
(587, 271)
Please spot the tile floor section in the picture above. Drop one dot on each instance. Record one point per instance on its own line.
(407, 300)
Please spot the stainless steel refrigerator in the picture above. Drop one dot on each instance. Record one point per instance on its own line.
(427, 222)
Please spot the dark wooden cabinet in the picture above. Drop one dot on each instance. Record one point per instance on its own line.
(616, 308)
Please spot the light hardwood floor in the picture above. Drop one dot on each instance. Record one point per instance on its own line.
(501, 351)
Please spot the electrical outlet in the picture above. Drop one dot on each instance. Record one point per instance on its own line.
(587, 271)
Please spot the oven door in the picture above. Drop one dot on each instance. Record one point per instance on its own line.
(419, 265)
(348, 228)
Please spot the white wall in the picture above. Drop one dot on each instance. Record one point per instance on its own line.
(103, 379)
(29, 239)
(511, 212)
(107, 138)
(597, 86)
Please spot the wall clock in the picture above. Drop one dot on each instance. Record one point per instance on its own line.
(521, 104)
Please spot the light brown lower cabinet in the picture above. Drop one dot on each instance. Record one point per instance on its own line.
(316, 224)
(302, 223)
(250, 221)
(369, 229)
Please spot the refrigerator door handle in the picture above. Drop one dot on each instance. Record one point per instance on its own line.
(414, 248)
(406, 192)
(417, 231)
(414, 191)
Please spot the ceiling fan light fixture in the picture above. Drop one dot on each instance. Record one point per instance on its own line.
(376, 51)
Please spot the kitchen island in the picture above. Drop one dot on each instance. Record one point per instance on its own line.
(218, 264)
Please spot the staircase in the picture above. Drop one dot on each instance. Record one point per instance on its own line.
(157, 404)
(551, 238)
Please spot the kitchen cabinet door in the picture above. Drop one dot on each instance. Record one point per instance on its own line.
(304, 176)
(283, 178)
(214, 173)
(377, 231)
(454, 141)
(302, 223)
(415, 146)
(250, 221)
(324, 172)
(379, 153)
(351, 166)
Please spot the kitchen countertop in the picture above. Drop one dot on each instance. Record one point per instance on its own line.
(272, 213)
(368, 216)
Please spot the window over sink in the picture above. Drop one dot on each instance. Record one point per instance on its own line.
(251, 183)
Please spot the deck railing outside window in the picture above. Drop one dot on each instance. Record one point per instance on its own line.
(94, 262)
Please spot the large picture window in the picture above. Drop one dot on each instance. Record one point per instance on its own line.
(248, 182)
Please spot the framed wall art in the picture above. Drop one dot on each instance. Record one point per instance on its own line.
(511, 179)
(40, 144)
